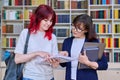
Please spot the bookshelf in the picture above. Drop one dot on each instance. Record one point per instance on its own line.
(105, 13)
(0, 20)
(69, 9)
(106, 19)
(116, 32)
(0, 39)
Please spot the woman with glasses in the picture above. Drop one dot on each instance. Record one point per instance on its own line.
(83, 31)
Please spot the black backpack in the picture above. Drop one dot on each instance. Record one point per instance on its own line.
(13, 70)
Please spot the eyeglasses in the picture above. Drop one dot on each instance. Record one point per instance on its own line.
(77, 29)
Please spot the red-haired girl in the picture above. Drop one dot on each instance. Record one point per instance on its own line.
(42, 44)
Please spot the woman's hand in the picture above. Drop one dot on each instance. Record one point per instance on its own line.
(83, 58)
(63, 53)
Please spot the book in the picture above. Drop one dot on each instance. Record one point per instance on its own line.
(62, 59)
(94, 51)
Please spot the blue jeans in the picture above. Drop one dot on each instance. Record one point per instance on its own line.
(26, 78)
(31, 79)
(52, 79)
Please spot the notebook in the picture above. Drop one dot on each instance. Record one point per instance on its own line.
(94, 51)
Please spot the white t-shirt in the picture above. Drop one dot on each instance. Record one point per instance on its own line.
(77, 45)
(37, 42)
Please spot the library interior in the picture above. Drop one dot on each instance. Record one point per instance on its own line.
(15, 14)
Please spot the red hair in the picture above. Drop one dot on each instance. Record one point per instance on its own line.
(42, 12)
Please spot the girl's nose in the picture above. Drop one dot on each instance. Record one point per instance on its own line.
(49, 22)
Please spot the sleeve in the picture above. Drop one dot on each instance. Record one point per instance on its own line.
(102, 63)
(21, 42)
(54, 45)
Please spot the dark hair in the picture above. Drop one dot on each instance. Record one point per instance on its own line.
(42, 12)
(88, 25)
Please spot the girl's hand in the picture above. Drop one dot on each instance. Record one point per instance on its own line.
(54, 62)
(43, 54)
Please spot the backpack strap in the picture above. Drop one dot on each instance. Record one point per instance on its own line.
(26, 42)
(21, 66)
